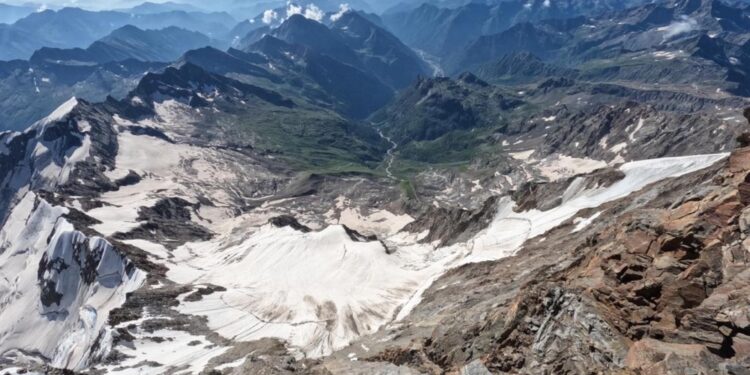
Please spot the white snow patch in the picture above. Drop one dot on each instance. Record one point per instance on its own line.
(582, 223)
(476, 186)
(379, 222)
(561, 166)
(523, 155)
(665, 55)
(618, 147)
(638, 127)
(603, 142)
(232, 364)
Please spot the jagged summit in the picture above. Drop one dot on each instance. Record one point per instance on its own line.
(199, 87)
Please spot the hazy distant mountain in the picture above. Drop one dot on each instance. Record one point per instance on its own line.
(16, 43)
(526, 36)
(441, 30)
(31, 89)
(73, 27)
(353, 66)
(354, 40)
(166, 44)
(350, 48)
(254, 10)
(169, 6)
(112, 66)
(240, 31)
(631, 44)
(12, 13)
(129, 42)
(340, 85)
(380, 51)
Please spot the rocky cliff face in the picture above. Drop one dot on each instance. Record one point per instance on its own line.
(658, 285)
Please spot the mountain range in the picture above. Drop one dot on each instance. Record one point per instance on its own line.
(441, 31)
(440, 187)
(12, 13)
(352, 65)
(129, 42)
(111, 66)
(76, 28)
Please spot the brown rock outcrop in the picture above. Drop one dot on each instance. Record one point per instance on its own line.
(659, 285)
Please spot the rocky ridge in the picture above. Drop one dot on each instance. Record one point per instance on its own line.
(658, 285)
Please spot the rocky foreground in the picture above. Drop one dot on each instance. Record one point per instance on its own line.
(658, 284)
(138, 267)
(636, 268)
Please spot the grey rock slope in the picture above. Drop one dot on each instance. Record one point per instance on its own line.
(77, 28)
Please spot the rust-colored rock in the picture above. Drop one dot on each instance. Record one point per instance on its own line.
(739, 160)
(663, 288)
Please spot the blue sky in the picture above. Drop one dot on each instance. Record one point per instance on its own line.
(90, 4)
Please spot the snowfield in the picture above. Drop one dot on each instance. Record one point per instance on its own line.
(57, 286)
(320, 290)
(317, 290)
(510, 229)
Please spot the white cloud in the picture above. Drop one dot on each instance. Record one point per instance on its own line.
(292, 9)
(684, 25)
(312, 11)
(269, 16)
(547, 3)
(343, 8)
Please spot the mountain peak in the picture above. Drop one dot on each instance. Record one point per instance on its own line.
(472, 79)
(300, 20)
(350, 15)
(192, 84)
(61, 56)
(300, 27)
(127, 29)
